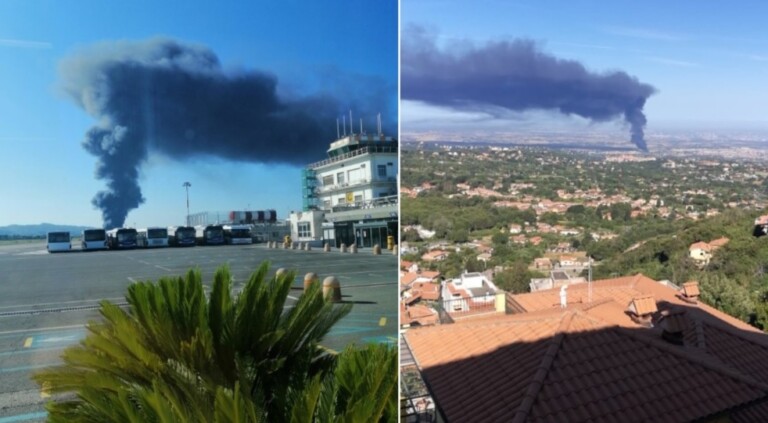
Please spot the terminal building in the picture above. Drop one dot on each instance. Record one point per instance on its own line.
(350, 197)
(264, 224)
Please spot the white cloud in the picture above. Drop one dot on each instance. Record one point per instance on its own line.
(8, 42)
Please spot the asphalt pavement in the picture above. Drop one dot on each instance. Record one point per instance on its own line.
(46, 299)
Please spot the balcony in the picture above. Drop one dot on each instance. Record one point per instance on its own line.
(354, 153)
(322, 189)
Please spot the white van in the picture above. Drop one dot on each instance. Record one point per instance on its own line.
(59, 241)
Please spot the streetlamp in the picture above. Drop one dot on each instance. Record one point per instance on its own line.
(187, 185)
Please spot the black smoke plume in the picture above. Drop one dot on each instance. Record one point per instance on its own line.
(173, 98)
(515, 75)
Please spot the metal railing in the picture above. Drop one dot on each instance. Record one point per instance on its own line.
(346, 185)
(457, 307)
(355, 153)
(368, 204)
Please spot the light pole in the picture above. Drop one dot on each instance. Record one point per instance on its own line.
(187, 185)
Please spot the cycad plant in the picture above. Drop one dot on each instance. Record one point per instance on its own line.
(177, 356)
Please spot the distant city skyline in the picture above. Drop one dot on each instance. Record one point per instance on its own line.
(707, 61)
(306, 48)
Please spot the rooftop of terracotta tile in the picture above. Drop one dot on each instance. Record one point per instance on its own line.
(590, 361)
(407, 278)
(426, 290)
(430, 274)
(700, 246)
(719, 242)
(691, 289)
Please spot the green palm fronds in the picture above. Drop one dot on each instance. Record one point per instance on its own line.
(177, 356)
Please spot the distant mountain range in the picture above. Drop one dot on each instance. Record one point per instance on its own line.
(38, 230)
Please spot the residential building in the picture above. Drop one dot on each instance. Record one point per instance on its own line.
(702, 252)
(469, 292)
(434, 255)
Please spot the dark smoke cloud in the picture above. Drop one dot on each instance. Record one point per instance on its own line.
(515, 75)
(165, 96)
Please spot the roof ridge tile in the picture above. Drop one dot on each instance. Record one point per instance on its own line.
(530, 395)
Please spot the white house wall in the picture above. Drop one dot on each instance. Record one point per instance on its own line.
(315, 221)
(360, 181)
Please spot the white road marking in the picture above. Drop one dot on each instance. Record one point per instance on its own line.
(57, 339)
(60, 302)
(9, 332)
(163, 268)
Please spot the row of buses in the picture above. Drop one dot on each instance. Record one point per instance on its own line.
(174, 236)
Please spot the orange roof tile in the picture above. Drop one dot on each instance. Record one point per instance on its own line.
(430, 274)
(719, 242)
(426, 290)
(420, 314)
(591, 362)
(691, 289)
(700, 246)
(408, 278)
(643, 305)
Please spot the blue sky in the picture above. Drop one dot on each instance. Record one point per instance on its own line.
(708, 60)
(48, 177)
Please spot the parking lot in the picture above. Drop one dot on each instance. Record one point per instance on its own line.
(46, 299)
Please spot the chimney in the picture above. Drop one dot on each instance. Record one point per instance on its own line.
(563, 296)
(689, 292)
(673, 324)
(641, 310)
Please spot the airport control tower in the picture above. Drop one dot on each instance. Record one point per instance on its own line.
(350, 197)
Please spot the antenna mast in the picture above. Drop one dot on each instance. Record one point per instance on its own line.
(338, 134)
(344, 121)
(351, 128)
(378, 122)
(361, 126)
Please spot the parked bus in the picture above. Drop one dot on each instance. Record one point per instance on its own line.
(152, 237)
(181, 236)
(59, 241)
(94, 239)
(121, 238)
(209, 235)
(237, 234)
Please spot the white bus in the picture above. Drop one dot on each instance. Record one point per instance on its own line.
(94, 239)
(209, 235)
(121, 238)
(59, 241)
(181, 236)
(237, 234)
(152, 237)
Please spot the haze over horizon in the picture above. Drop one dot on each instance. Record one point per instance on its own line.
(707, 61)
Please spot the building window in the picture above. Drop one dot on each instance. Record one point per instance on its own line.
(341, 201)
(327, 180)
(382, 171)
(340, 178)
(304, 230)
(358, 199)
(326, 204)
